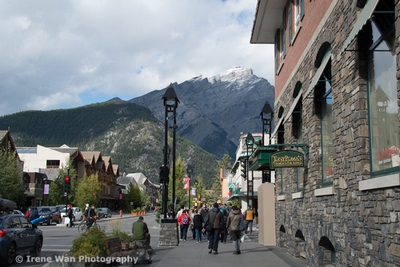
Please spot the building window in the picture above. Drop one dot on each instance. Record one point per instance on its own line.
(283, 37)
(382, 90)
(326, 128)
(298, 13)
(300, 178)
(323, 106)
(279, 174)
(52, 164)
(297, 122)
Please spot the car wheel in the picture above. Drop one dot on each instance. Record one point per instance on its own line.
(11, 253)
(59, 220)
(38, 248)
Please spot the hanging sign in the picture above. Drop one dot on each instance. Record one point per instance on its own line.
(287, 159)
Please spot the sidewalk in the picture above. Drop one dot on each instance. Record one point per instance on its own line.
(190, 253)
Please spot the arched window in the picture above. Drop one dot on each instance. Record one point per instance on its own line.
(323, 107)
(382, 89)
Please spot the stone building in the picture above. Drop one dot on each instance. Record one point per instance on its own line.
(337, 70)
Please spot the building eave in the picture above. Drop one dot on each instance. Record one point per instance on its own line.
(267, 20)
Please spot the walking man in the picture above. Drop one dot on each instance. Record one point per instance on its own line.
(249, 217)
(214, 218)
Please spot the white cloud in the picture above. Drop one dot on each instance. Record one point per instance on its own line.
(56, 53)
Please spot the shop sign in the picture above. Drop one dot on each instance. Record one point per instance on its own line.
(287, 159)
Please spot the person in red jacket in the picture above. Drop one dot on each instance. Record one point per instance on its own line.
(184, 221)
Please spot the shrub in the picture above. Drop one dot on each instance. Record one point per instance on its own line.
(91, 243)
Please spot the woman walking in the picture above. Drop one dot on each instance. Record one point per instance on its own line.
(198, 225)
(232, 225)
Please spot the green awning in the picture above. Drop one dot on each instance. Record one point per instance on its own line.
(260, 159)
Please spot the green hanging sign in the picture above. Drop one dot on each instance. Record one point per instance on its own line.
(287, 159)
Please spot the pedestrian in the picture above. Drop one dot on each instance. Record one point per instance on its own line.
(70, 215)
(28, 213)
(184, 221)
(224, 231)
(192, 212)
(213, 218)
(204, 213)
(232, 224)
(198, 225)
(249, 217)
(179, 213)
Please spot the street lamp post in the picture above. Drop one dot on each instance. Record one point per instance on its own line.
(249, 142)
(267, 116)
(189, 171)
(171, 103)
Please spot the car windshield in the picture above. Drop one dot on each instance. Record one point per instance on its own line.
(63, 210)
(43, 210)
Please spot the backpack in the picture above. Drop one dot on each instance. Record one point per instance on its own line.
(185, 219)
(242, 224)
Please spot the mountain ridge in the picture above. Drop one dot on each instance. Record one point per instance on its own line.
(214, 111)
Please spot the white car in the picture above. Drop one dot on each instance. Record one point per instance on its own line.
(77, 214)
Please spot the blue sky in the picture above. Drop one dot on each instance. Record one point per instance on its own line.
(93, 51)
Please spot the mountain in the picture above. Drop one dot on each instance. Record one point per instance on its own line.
(214, 111)
(211, 115)
(125, 131)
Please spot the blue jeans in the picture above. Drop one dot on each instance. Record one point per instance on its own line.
(184, 229)
(198, 234)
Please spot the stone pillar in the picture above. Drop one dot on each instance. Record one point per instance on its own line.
(169, 235)
(266, 215)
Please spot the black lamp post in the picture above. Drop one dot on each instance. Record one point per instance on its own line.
(171, 103)
(249, 142)
(189, 171)
(267, 116)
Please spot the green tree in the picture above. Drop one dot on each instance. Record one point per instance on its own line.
(200, 187)
(87, 191)
(180, 193)
(56, 195)
(11, 186)
(134, 196)
(144, 198)
(56, 191)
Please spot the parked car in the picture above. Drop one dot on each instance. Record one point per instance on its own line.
(77, 213)
(18, 212)
(18, 236)
(104, 212)
(49, 215)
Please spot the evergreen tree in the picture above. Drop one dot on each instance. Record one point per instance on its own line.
(11, 186)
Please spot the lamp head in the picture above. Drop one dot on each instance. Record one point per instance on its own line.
(170, 95)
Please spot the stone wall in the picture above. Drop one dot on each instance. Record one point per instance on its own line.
(361, 227)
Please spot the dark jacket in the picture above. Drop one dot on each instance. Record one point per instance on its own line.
(233, 221)
(214, 216)
(198, 221)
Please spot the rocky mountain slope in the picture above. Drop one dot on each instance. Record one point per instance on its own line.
(214, 111)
